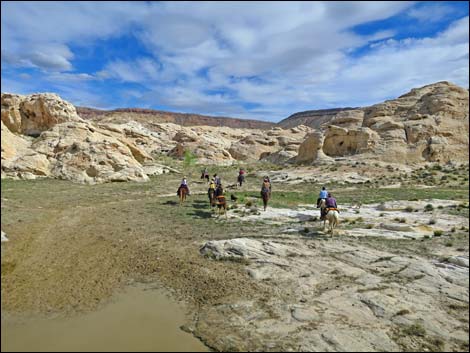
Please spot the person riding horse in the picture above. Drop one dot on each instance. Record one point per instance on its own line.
(217, 180)
(267, 181)
(330, 204)
(323, 196)
(266, 191)
(205, 174)
(184, 184)
(211, 192)
(241, 176)
(219, 191)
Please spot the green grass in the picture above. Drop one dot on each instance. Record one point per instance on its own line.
(415, 330)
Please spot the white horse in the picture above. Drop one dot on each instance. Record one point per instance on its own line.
(332, 217)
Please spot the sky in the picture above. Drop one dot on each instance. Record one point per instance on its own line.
(258, 60)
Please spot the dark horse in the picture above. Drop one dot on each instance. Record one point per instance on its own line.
(205, 175)
(265, 194)
(211, 194)
(182, 192)
(241, 179)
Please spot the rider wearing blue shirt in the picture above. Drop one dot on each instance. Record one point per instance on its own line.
(323, 195)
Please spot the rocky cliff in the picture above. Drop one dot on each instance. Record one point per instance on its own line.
(43, 136)
(428, 124)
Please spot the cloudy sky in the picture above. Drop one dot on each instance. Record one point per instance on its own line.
(261, 60)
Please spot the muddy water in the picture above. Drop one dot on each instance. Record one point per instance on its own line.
(139, 319)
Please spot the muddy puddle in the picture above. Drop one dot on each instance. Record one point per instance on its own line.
(141, 318)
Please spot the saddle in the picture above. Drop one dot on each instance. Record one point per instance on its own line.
(221, 200)
(328, 209)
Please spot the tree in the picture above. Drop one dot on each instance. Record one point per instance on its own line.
(189, 159)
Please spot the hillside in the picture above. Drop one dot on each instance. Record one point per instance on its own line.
(312, 118)
(150, 116)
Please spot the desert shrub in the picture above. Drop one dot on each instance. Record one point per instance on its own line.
(409, 209)
(437, 233)
(428, 207)
(415, 330)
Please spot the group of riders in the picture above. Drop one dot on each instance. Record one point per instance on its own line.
(326, 202)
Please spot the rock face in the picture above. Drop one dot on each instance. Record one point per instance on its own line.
(42, 136)
(427, 124)
(30, 115)
(66, 147)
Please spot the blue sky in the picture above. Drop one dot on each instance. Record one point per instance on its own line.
(258, 60)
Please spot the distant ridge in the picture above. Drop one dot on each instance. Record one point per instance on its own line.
(310, 117)
(158, 116)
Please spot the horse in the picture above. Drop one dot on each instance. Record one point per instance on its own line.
(205, 175)
(182, 192)
(332, 217)
(221, 205)
(265, 195)
(211, 194)
(240, 179)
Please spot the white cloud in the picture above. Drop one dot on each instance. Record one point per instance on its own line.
(278, 57)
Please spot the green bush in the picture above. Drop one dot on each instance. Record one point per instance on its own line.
(428, 207)
(189, 159)
(437, 233)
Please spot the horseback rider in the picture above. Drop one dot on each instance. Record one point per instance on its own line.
(266, 185)
(212, 184)
(241, 176)
(205, 174)
(323, 195)
(267, 181)
(217, 180)
(219, 191)
(330, 203)
(184, 184)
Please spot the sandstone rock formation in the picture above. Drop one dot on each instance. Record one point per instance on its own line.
(67, 147)
(326, 296)
(42, 135)
(427, 124)
(30, 115)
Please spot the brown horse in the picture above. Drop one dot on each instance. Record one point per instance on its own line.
(211, 194)
(265, 194)
(182, 192)
(222, 205)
